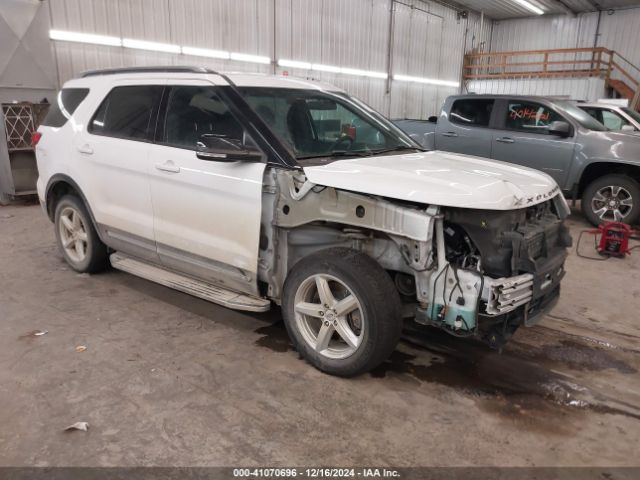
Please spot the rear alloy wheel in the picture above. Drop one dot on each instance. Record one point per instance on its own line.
(77, 239)
(73, 235)
(342, 311)
(612, 198)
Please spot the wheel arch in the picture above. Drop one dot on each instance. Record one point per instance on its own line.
(596, 170)
(60, 185)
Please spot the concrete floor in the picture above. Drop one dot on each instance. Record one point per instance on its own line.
(167, 379)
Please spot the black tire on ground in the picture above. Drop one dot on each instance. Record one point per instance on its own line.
(378, 316)
(95, 256)
(626, 184)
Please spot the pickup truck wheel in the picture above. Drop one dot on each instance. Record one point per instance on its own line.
(77, 239)
(342, 311)
(612, 198)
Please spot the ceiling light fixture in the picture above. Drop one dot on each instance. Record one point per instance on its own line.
(294, 64)
(243, 57)
(428, 81)
(205, 52)
(529, 6)
(84, 38)
(346, 70)
(152, 46)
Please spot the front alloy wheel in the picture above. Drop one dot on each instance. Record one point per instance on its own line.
(329, 316)
(342, 311)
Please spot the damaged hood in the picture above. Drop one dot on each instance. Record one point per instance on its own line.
(439, 178)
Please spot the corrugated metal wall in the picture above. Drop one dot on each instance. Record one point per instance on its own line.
(618, 31)
(429, 40)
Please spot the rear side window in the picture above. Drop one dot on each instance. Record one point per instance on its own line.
(128, 112)
(472, 111)
(66, 103)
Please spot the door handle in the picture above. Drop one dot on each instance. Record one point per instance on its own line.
(168, 166)
(86, 149)
(505, 140)
(449, 134)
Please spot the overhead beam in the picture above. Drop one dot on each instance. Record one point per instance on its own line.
(567, 8)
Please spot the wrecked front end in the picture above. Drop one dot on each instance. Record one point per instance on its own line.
(471, 272)
(501, 269)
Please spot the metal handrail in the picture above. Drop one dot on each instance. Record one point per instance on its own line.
(602, 62)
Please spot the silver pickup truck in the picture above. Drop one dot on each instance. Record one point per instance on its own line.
(588, 161)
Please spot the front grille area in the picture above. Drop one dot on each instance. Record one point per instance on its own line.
(507, 294)
(535, 245)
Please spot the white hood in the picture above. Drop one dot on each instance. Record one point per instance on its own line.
(439, 178)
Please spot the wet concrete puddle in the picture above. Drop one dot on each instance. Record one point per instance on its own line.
(523, 378)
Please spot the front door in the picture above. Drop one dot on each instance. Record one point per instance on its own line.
(523, 137)
(206, 212)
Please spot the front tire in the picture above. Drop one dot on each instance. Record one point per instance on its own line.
(77, 238)
(612, 198)
(342, 311)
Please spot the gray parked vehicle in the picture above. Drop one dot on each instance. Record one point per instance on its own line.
(587, 160)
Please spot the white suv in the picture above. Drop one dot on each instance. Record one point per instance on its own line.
(246, 190)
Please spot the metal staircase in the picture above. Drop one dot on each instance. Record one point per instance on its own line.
(622, 78)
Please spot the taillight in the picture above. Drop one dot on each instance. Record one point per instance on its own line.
(35, 138)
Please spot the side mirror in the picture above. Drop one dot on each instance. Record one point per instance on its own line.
(560, 128)
(628, 128)
(222, 149)
(432, 119)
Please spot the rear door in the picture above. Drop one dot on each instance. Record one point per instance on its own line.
(523, 137)
(112, 164)
(207, 213)
(466, 128)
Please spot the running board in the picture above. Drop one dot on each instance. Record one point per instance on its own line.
(197, 288)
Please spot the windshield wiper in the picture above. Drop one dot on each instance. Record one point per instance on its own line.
(399, 148)
(338, 153)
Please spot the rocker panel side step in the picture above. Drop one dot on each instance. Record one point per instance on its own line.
(197, 288)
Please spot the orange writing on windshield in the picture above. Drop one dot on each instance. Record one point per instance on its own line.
(529, 114)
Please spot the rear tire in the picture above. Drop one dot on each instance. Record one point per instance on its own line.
(612, 198)
(77, 238)
(342, 311)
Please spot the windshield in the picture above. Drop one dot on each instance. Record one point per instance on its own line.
(580, 116)
(317, 124)
(632, 113)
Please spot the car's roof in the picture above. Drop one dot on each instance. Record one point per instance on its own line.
(514, 96)
(240, 79)
(599, 104)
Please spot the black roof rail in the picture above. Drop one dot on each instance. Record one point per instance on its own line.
(162, 69)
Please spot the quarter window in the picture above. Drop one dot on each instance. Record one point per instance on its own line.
(128, 112)
(194, 113)
(472, 111)
(67, 100)
(530, 117)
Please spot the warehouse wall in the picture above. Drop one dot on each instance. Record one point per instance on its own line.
(618, 31)
(428, 40)
(27, 71)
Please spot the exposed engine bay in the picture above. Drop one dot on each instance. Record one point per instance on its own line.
(472, 273)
